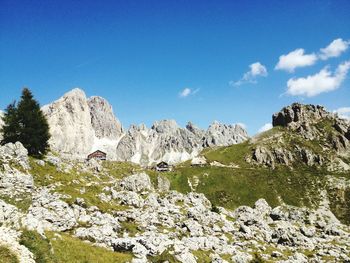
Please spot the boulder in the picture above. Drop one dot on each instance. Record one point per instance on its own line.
(15, 153)
(136, 183)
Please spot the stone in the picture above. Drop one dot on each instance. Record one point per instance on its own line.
(136, 183)
(9, 238)
(16, 153)
(163, 183)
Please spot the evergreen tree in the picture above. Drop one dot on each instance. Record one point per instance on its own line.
(26, 123)
(10, 129)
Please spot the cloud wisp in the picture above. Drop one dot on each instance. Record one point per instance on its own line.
(265, 127)
(256, 70)
(323, 81)
(295, 59)
(298, 59)
(187, 92)
(334, 49)
(343, 112)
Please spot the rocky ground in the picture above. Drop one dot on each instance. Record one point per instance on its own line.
(136, 213)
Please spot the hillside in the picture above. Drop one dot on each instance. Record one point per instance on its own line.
(298, 163)
(282, 196)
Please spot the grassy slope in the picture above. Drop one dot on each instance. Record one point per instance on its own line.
(65, 248)
(6, 256)
(232, 187)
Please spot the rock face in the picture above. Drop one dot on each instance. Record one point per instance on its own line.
(310, 135)
(166, 141)
(224, 135)
(103, 121)
(298, 113)
(78, 124)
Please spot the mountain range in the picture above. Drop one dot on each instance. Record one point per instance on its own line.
(80, 125)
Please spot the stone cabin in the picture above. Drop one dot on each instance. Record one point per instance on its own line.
(98, 155)
(163, 167)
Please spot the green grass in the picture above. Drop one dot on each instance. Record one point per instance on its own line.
(7, 256)
(129, 227)
(164, 257)
(72, 182)
(120, 169)
(39, 246)
(202, 256)
(231, 188)
(340, 203)
(65, 248)
(69, 249)
(231, 154)
(22, 202)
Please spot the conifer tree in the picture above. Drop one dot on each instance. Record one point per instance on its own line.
(26, 123)
(10, 129)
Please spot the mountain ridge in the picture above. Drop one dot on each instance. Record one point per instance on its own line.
(80, 125)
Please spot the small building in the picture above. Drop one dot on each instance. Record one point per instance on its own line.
(198, 161)
(163, 167)
(98, 155)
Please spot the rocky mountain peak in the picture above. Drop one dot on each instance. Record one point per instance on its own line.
(76, 92)
(105, 124)
(165, 126)
(299, 113)
(77, 123)
(219, 134)
(194, 129)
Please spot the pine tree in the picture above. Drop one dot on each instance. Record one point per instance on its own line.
(26, 123)
(10, 129)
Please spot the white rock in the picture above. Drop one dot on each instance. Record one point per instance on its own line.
(136, 182)
(9, 238)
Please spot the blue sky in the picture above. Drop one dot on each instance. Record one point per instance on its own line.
(140, 56)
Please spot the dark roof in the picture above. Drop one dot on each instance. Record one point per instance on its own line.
(98, 151)
(162, 164)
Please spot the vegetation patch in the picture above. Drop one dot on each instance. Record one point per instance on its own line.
(57, 248)
(7, 256)
(70, 249)
(164, 257)
(38, 245)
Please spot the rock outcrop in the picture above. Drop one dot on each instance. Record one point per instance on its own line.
(297, 114)
(79, 125)
(310, 135)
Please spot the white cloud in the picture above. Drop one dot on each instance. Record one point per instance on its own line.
(322, 81)
(295, 59)
(256, 69)
(187, 92)
(334, 49)
(343, 112)
(265, 127)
